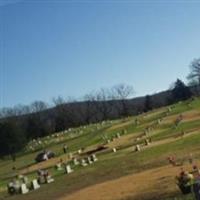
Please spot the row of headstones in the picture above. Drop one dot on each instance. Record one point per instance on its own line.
(136, 148)
(58, 137)
(147, 142)
(83, 162)
(116, 136)
(23, 188)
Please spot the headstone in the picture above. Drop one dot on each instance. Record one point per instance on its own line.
(35, 184)
(118, 135)
(158, 121)
(89, 160)
(114, 150)
(17, 185)
(59, 166)
(94, 158)
(68, 169)
(137, 148)
(24, 188)
(75, 161)
(137, 139)
(108, 141)
(70, 156)
(169, 109)
(146, 142)
(11, 188)
(83, 163)
(49, 179)
(79, 151)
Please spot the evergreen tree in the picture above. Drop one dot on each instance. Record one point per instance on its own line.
(12, 139)
(180, 91)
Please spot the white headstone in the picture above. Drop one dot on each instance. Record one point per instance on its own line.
(89, 160)
(94, 158)
(35, 184)
(118, 135)
(83, 163)
(68, 169)
(108, 141)
(24, 188)
(79, 151)
(137, 148)
(114, 150)
(49, 179)
(75, 161)
(70, 156)
(59, 166)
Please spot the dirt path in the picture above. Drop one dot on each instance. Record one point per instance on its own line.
(160, 180)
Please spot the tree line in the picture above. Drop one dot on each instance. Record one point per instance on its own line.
(20, 124)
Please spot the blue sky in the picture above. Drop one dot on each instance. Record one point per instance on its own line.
(69, 48)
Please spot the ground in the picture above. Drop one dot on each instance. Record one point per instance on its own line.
(124, 175)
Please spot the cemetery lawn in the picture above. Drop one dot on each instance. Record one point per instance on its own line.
(124, 175)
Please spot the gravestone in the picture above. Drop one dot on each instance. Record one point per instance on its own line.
(89, 160)
(35, 184)
(58, 166)
(137, 148)
(108, 141)
(75, 161)
(137, 139)
(68, 169)
(24, 188)
(17, 185)
(114, 150)
(83, 163)
(70, 156)
(169, 109)
(79, 151)
(49, 179)
(11, 189)
(94, 158)
(147, 142)
(118, 135)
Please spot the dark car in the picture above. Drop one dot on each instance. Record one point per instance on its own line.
(44, 156)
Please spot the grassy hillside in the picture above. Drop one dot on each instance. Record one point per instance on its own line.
(113, 168)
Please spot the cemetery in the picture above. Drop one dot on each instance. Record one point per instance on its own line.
(154, 155)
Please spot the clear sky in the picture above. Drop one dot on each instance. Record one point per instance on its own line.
(68, 48)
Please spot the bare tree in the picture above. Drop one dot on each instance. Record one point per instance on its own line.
(194, 75)
(121, 93)
(104, 102)
(58, 101)
(38, 106)
(88, 110)
(7, 112)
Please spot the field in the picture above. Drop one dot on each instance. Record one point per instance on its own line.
(122, 175)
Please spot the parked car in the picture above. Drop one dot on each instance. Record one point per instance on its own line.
(44, 156)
